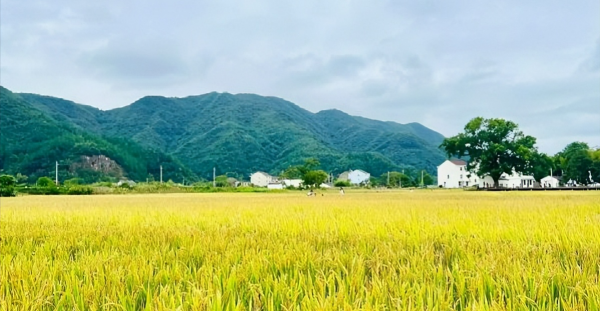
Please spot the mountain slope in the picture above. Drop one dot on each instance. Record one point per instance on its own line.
(31, 140)
(243, 133)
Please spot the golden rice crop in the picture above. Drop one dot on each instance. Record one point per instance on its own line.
(422, 250)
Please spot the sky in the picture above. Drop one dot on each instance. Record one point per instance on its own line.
(439, 63)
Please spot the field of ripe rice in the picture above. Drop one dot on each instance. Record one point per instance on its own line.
(400, 250)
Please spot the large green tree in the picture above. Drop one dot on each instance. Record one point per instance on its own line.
(540, 165)
(578, 166)
(493, 147)
(314, 178)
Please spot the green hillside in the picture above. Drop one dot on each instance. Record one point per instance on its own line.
(32, 140)
(243, 133)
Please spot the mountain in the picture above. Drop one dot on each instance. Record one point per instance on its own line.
(34, 136)
(244, 133)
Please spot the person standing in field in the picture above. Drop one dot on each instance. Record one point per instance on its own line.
(310, 193)
(341, 191)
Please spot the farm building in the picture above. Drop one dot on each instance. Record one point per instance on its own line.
(262, 179)
(275, 185)
(550, 182)
(516, 180)
(296, 183)
(357, 177)
(454, 174)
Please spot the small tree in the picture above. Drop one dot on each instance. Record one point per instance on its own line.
(342, 183)
(428, 179)
(221, 181)
(45, 182)
(396, 179)
(7, 186)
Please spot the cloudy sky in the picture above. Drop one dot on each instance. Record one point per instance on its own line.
(439, 63)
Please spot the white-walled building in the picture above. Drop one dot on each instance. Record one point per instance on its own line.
(454, 174)
(261, 179)
(516, 180)
(296, 183)
(358, 176)
(275, 185)
(550, 182)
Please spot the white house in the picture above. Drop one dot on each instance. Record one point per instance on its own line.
(550, 182)
(516, 180)
(358, 176)
(261, 179)
(454, 174)
(275, 185)
(296, 183)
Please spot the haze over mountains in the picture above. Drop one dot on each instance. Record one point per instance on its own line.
(237, 134)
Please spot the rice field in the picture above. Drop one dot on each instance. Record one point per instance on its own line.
(397, 250)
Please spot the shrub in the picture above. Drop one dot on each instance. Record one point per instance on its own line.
(7, 186)
(80, 190)
(45, 182)
(342, 183)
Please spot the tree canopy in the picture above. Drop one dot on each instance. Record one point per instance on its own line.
(493, 147)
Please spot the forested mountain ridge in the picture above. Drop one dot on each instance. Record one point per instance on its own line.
(243, 133)
(32, 140)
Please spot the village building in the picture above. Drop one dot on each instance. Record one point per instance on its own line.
(454, 174)
(244, 184)
(550, 182)
(357, 177)
(516, 180)
(262, 179)
(296, 183)
(275, 185)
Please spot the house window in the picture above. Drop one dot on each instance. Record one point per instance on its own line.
(448, 176)
(460, 183)
(461, 176)
(461, 168)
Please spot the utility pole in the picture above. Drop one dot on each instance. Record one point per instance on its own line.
(388, 179)
(214, 176)
(56, 174)
(161, 174)
(422, 184)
